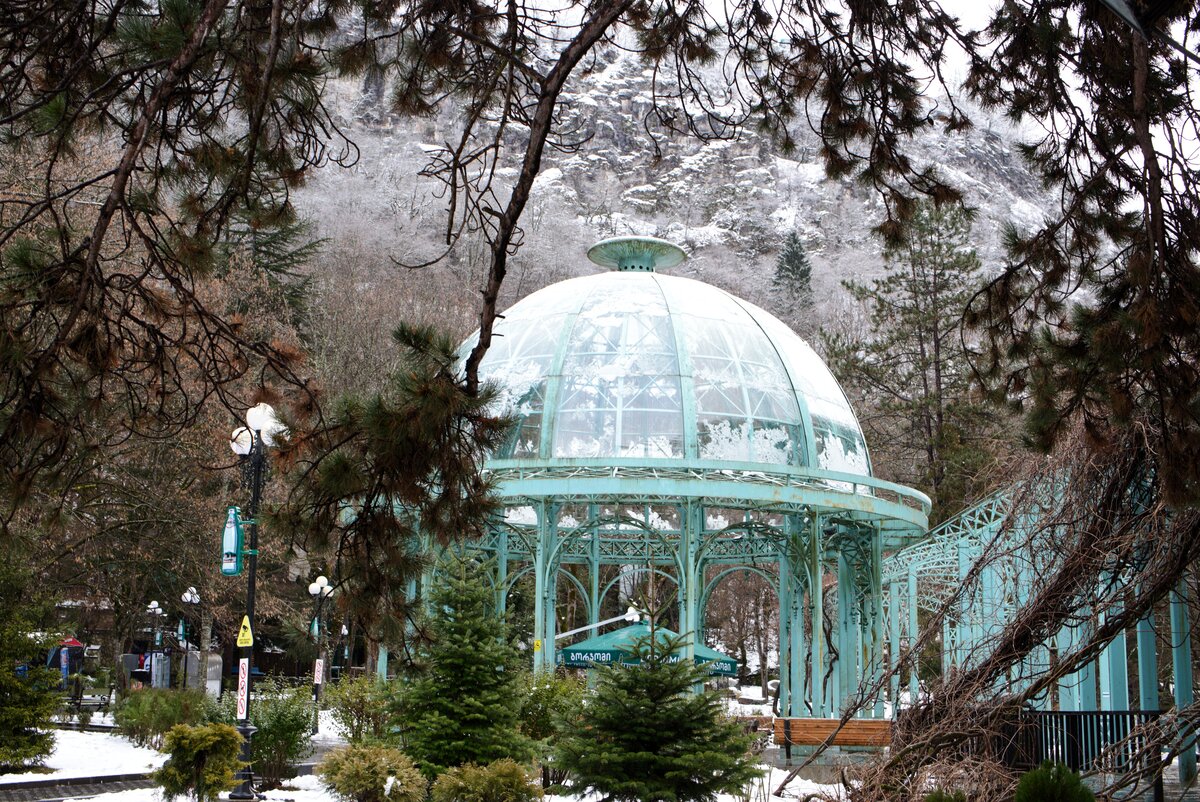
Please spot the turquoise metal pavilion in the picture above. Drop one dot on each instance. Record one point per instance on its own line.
(667, 426)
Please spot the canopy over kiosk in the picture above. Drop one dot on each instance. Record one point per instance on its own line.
(666, 426)
(620, 647)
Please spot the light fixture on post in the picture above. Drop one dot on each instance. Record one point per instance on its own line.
(190, 598)
(156, 615)
(249, 443)
(320, 590)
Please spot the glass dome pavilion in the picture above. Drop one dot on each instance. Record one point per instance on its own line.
(663, 424)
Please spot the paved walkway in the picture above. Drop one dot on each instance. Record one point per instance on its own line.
(81, 788)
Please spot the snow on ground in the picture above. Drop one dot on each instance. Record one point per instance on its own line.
(91, 754)
(309, 789)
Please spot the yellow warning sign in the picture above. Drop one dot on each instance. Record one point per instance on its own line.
(245, 636)
(537, 645)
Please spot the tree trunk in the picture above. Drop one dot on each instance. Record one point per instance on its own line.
(205, 646)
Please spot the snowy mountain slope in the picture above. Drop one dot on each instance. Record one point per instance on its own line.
(729, 203)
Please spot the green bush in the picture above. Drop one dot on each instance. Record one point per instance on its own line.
(359, 773)
(146, 715)
(359, 705)
(282, 717)
(501, 781)
(548, 700)
(945, 796)
(1052, 782)
(203, 761)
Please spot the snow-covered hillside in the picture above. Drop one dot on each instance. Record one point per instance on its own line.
(729, 203)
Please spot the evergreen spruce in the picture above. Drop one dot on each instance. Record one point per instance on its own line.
(463, 706)
(647, 735)
(793, 279)
(912, 368)
(28, 690)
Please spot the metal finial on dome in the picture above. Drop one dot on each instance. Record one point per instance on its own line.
(636, 253)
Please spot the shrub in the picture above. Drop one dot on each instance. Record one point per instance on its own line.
(203, 761)
(282, 717)
(501, 781)
(359, 706)
(359, 773)
(145, 716)
(1052, 782)
(945, 796)
(547, 700)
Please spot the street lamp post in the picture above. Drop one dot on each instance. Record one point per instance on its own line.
(320, 590)
(156, 614)
(190, 598)
(249, 443)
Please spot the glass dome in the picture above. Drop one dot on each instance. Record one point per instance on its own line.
(642, 366)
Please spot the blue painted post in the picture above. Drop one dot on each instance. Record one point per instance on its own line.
(914, 677)
(894, 644)
(816, 603)
(1068, 686)
(381, 663)
(1147, 652)
(1114, 671)
(785, 636)
(1181, 660)
(796, 662)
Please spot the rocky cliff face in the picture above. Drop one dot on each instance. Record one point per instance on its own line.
(727, 202)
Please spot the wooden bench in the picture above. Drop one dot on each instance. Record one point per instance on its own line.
(789, 732)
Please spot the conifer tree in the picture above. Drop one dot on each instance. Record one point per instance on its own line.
(462, 706)
(28, 690)
(793, 276)
(646, 735)
(912, 368)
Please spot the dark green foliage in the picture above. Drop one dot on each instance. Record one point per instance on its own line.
(202, 761)
(911, 367)
(27, 702)
(283, 718)
(548, 702)
(501, 781)
(945, 796)
(462, 707)
(412, 453)
(1052, 782)
(360, 773)
(792, 283)
(359, 705)
(146, 715)
(646, 735)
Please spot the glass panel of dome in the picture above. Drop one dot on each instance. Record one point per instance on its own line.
(519, 361)
(739, 377)
(620, 389)
(840, 447)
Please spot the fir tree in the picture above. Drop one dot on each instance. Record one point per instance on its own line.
(793, 279)
(646, 735)
(28, 690)
(463, 705)
(912, 368)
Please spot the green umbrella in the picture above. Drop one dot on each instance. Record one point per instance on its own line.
(618, 647)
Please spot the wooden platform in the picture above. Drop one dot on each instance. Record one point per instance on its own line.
(875, 732)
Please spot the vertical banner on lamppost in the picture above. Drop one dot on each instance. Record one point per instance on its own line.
(64, 664)
(243, 691)
(318, 671)
(231, 543)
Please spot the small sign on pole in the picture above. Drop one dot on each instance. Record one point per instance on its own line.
(243, 691)
(318, 671)
(231, 543)
(64, 664)
(245, 634)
